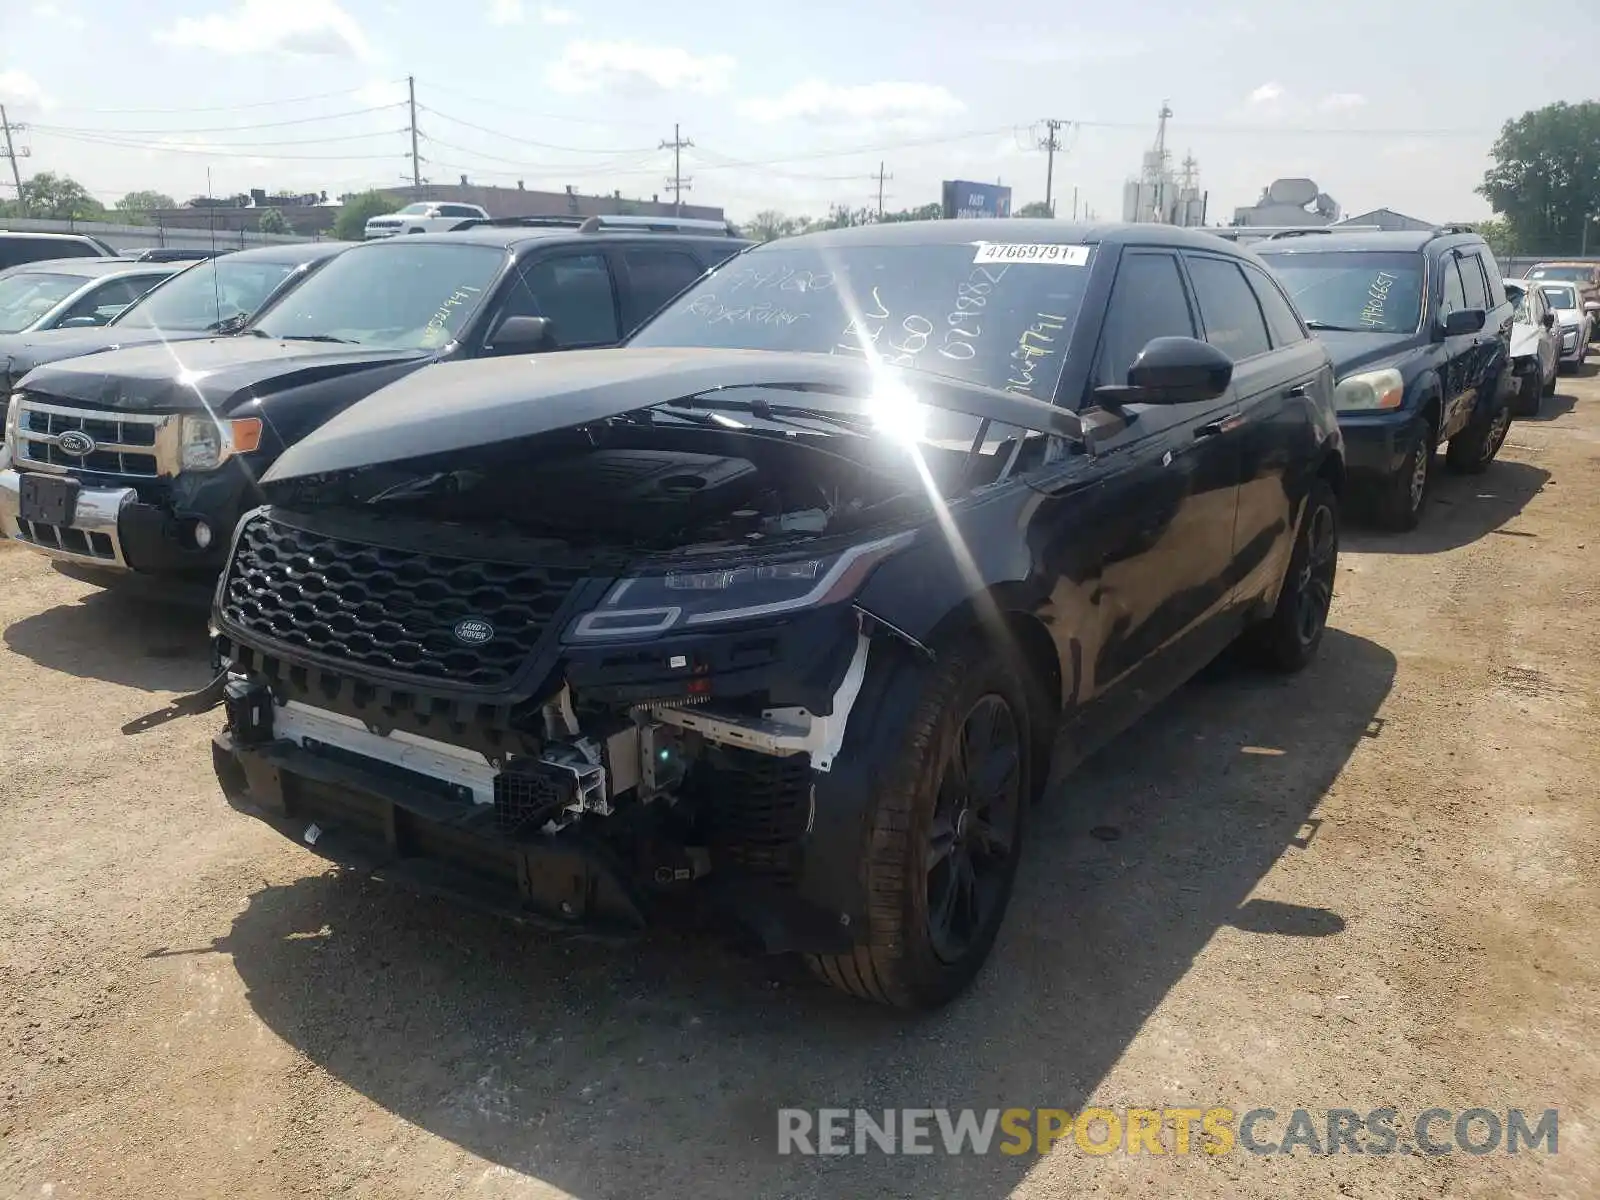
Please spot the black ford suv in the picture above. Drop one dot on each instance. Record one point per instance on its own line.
(779, 607)
(142, 459)
(1419, 328)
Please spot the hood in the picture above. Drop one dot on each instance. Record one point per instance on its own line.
(22, 352)
(1352, 352)
(203, 374)
(459, 406)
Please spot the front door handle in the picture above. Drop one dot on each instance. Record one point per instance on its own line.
(1298, 392)
(1220, 425)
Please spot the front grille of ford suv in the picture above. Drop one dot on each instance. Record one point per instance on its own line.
(413, 613)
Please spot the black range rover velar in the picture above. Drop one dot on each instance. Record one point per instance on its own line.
(780, 607)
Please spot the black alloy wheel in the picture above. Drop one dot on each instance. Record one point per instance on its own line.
(1314, 588)
(973, 835)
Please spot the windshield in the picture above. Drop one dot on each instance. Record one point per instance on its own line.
(26, 297)
(1559, 295)
(206, 296)
(936, 308)
(1574, 274)
(1369, 291)
(394, 295)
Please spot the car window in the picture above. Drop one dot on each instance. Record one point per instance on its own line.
(457, 210)
(1560, 295)
(575, 292)
(204, 296)
(1282, 322)
(1148, 300)
(1569, 274)
(14, 251)
(28, 295)
(1454, 296)
(1228, 308)
(106, 301)
(1474, 286)
(656, 275)
(1523, 309)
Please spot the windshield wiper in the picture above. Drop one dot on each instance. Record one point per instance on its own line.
(317, 337)
(780, 413)
(1330, 327)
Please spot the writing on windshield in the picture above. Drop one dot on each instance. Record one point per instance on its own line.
(1363, 291)
(931, 308)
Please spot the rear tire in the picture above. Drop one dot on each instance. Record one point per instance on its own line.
(946, 835)
(1287, 641)
(1528, 396)
(1472, 450)
(1550, 387)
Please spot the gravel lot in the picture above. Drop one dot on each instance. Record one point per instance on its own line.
(1372, 884)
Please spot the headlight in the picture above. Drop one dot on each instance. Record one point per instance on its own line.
(1370, 390)
(8, 446)
(208, 442)
(690, 597)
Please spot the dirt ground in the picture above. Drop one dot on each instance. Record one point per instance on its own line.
(1372, 884)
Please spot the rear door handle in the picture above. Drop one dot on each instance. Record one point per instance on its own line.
(1220, 425)
(1298, 392)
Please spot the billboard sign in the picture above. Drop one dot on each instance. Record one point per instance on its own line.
(966, 199)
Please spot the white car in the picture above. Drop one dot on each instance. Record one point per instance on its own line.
(1535, 346)
(427, 216)
(74, 293)
(1574, 326)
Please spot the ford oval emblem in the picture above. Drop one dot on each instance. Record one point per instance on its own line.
(76, 443)
(474, 631)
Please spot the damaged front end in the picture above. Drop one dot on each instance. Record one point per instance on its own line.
(573, 673)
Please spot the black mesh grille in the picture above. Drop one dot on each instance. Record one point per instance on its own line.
(762, 806)
(393, 610)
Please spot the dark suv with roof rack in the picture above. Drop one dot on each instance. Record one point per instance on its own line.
(141, 460)
(1419, 327)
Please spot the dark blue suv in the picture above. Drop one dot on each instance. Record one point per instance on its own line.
(1419, 329)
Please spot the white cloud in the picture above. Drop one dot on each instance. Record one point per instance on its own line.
(18, 87)
(58, 15)
(304, 27)
(1342, 101)
(505, 12)
(551, 15)
(1267, 93)
(822, 102)
(381, 93)
(605, 66)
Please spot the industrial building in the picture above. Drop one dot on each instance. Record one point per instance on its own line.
(1160, 195)
(1290, 202)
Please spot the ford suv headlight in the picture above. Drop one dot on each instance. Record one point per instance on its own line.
(1370, 390)
(8, 445)
(208, 442)
(689, 597)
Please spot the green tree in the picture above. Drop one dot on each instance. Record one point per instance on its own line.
(133, 207)
(351, 224)
(928, 212)
(53, 197)
(272, 220)
(1545, 181)
(1034, 208)
(1502, 240)
(769, 225)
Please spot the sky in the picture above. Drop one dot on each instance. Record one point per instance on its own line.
(788, 107)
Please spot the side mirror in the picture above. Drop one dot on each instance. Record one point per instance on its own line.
(1591, 306)
(1464, 321)
(1549, 320)
(522, 335)
(1173, 370)
(78, 323)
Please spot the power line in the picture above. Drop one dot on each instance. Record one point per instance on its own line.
(211, 151)
(502, 107)
(217, 107)
(677, 184)
(511, 137)
(355, 112)
(13, 154)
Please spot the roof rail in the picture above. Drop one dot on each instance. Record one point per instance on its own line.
(604, 224)
(1446, 230)
(1234, 233)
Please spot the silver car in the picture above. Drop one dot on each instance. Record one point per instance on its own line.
(1574, 326)
(74, 293)
(1535, 346)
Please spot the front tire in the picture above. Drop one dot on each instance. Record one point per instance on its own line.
(1405, 493)
(1472, 450)
(946, 836)
(1287, 641)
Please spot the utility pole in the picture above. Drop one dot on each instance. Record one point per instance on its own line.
(880, 177)
(1050, 143)
(677, 185)
(13, 154)
(416, 160)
